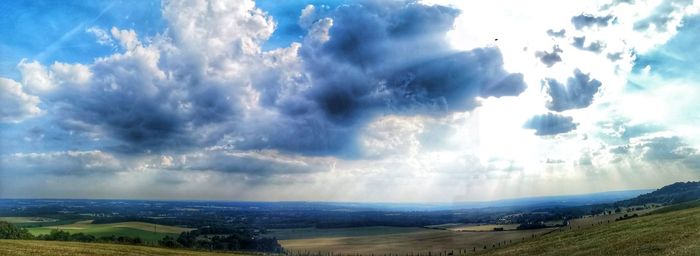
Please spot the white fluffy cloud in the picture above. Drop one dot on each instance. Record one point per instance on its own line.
(15, 104)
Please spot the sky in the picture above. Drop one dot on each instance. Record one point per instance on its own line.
(367, 101)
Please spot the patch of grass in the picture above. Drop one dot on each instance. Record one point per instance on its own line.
(51, 248)
(669, 233)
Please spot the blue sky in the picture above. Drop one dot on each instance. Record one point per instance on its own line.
(338, 100)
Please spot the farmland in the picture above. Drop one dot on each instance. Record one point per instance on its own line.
(23, 220)
(147, 231)
(378, 240)
(474, 227)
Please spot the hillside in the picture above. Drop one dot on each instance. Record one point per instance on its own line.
(672, 194)
(48, 248)
(667, 233)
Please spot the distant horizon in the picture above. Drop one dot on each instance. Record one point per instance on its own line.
(348, 202)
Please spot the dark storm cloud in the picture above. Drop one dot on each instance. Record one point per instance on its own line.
(550, 124)
(550, 58)
(588, 20)
(379, 58)
(393, 58)
(578, 92)
(131, 102)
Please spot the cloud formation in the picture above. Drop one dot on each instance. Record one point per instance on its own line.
(588, 20)
(550, 124)
(578, 92)
(550, 58)
(15, 104)
(364, 69)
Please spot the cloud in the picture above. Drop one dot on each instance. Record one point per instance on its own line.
(595, 46)
(550, 58)
(550, 124)
(364, 69)
(253, 164)
(35, 76)
(666, 15)
(588, 20)
(559, 33)
(103, 37)
(577, 93)
(77, 163)
(205, 81)
(665, 149)
(15, 104)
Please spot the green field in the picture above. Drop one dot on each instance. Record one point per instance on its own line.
(49, 248)
(666, 233)
(384, 240)
(150, 233)
(23, 220)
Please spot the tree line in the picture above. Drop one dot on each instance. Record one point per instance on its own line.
(222, 239)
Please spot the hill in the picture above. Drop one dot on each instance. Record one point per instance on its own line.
(48, 248)
(665, 233)
(675, 193)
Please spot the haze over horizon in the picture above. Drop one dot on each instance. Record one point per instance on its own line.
(353, 101)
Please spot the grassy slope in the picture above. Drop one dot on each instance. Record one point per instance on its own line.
(669, 233)
(130, 229)
(47, 248)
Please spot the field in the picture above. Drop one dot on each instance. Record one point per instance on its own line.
(474, 227)
(148, 232)
(668, 233)
(48, 248)
(379, 240)
(22, 220)
(604, 219)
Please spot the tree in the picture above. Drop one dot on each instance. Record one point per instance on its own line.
(9, 231)
(169, 242)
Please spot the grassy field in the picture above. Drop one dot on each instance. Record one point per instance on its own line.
(667, 233)
(380, 240)
(48, 248)
(22, 220)
(148, 232)
(473, 227)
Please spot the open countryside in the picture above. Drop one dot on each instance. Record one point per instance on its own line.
(349, 127)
